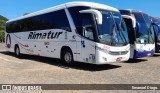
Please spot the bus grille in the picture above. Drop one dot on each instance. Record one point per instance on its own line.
(118, 53)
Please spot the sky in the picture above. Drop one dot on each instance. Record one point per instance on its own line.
(16, 8)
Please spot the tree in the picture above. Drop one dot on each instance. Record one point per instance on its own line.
(2, 27)
(2, 35)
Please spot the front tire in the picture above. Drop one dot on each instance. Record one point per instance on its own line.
(17, 51)
(67, 57)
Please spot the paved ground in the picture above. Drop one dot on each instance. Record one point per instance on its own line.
(41, 70)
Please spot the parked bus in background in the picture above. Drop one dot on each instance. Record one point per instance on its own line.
(76, 31)
(141, 38)
(156, 24)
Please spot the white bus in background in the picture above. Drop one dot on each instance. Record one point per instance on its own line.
(76, 31)
(141, 37)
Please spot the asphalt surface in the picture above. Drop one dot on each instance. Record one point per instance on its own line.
(41, 70)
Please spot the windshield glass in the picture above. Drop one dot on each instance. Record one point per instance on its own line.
(113, 30)
(150, 28)
(121, 27)
(145, 33)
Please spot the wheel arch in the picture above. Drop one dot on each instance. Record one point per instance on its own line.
(16, 45)
(65, 48)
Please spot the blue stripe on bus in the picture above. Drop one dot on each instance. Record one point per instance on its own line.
(139, 54)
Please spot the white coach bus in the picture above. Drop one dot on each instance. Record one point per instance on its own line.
(76, 31)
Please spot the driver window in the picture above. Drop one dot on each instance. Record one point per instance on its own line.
(83, 22)
(85, 26)
(87, 29)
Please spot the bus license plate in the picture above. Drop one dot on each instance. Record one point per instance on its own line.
(119, 59)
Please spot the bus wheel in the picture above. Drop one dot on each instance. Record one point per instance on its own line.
(67, 57)
(17, 51)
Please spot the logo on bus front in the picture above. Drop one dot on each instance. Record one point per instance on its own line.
(8, 41)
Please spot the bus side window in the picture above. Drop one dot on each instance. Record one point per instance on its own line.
(87, 29)
(83, 22)
(51, 20)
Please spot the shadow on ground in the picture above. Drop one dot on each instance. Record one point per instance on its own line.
(135, 60)
(57, 62)
(156, 55)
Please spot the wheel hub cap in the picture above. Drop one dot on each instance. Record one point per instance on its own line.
(68, 57)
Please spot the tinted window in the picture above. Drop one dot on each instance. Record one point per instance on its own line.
(123, 12)
(131, 30)
(83, 22)
(52, 20)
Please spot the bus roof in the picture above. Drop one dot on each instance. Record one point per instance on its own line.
(131, 10)
(70, 4)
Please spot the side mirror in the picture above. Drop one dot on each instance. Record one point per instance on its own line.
(133, 20)
(158, 27)
(97, 13)
(138, 26)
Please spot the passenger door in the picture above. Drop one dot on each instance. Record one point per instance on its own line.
(131, 35)
(85, 38)
(87, 41)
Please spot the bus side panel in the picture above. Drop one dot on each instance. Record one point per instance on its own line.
(40, 43)
(11, 40)
(51, 47)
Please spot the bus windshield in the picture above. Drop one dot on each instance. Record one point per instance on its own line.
(145, 33)
(113, 30)
(150, 28)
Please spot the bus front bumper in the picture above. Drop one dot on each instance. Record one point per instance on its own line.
(139, 54)
(107, 58)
